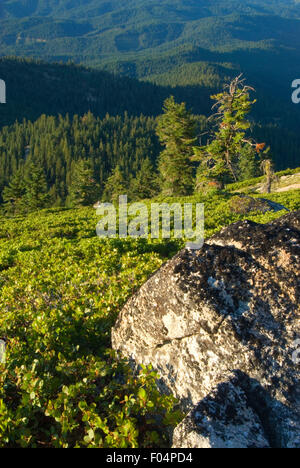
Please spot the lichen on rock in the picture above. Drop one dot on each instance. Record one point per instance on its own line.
(232, 306)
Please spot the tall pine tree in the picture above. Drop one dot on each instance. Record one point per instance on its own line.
(116, 185)
(248, 163)
(145, 184)
(84, 189)
(36, 194)
(13, 194)
(176, 130)
(219, 159)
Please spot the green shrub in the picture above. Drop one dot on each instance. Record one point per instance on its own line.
(61, 289)
(90, 402)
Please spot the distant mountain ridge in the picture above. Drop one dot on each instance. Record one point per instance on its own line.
(186, 47)
(96, 31)
(148, 38)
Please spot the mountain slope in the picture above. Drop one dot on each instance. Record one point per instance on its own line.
(35, 88)
(186, 47)
(148, 38)
(97, 31)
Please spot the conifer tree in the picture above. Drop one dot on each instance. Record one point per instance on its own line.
(116, 185)
(176, 130)
(13, 194)
(219, 159)
(248, 163)
(145, 184)
(36, 191)
(84, 189)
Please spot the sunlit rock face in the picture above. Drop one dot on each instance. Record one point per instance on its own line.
(227, 314)
(223, 419)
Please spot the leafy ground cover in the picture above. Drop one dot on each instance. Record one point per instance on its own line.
(61, 290)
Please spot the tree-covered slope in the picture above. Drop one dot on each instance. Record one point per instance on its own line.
(97, 31)
(190, 45)
(132, 32)
(36, 88)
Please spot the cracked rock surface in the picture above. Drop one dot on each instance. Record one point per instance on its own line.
(232, 306)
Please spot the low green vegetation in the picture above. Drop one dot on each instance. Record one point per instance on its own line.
(61, 290)
(253, 184)
(74, 137)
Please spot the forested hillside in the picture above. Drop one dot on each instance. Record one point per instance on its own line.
(57, 144)
(36, 88)
(96, 30)
(136, 37)
(70, 160)
(184, 48)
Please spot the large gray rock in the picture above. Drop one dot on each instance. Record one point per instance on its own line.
(224, 419)
(239, 413)
(233, 305)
